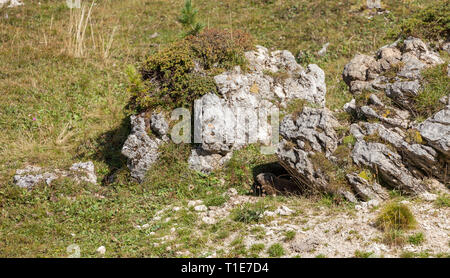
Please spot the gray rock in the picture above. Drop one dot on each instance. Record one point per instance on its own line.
(85, 171)
(366, 190)
(140, 149)
(436, 131)
(307, 245)
(374, 4)
(205, 162)
(347, 195)
(239, 117)
(388, 165)
(305, 135)
(313, 127)
(403, 92)
(373, 99)
(350, 107)
(360, 68)
(323, 50)
(394, 121)
(388, 56)
(32, 175)
(159, 124)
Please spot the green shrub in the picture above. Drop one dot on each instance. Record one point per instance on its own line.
(183, 71)
(221, 48)
(431, 23)
(256, 248)
(276, 250)
(394, 217)
(350, 139)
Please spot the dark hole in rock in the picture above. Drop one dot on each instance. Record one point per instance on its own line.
(273, 179)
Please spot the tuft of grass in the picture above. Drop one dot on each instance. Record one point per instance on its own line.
(276, 250)
(248, 213)
(437, 85)
(362, 254)
(395, 216)
(443, 200)
(256, 249)
(416, 239)
(289, 235)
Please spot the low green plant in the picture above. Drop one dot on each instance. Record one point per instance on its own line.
(221, 49)
(395, 216)
(188, 19)
(256, 248)
(289, 235)
(362, 254)
(431, 23)
(248, 213)
(276, 250)
(183, 71)
(416, 239)
(437, 85)
(350, 139)
(443, 200)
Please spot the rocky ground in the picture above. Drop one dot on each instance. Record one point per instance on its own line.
(318, 230)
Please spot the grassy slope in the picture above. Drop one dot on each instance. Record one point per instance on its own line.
(78, 106)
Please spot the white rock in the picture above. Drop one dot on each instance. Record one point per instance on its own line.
(283, 210)
(428, 196)
(208, 220)
(101, 250)
(194, 203)
(176, 208)
(200, 208)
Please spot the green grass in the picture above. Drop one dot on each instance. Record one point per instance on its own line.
(276, 250)
(362, 254)
(395, 216)
(416, 239)
(248, 213)
(443, 200)
(79, 104)
(289, 235)
(437, 85)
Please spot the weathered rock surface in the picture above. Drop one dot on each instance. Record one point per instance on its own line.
(388, 164)
(304, 136)
(367, 73)
(436, 131)
(366, 190)
(240, 115)
(32, 175)
(159, 125)
(139, 148)
(398, 146)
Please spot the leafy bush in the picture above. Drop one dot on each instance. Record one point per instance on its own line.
(431, 23)
(183, 71)
(221, 48)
